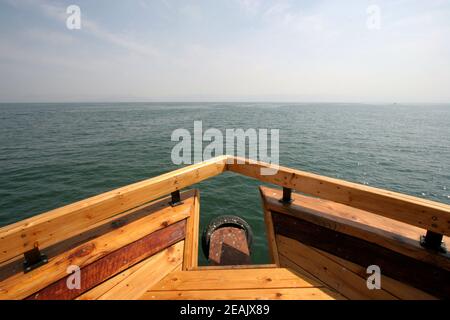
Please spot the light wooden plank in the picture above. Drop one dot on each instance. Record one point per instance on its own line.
(151, 272)
(246, 294)
(388, 233)
(54, 226)
(232, 279)
(104, 287)
(99, 271)
(419, 212)
(22, 285)
(250, 266)
(190, 260)
(334, 275)
(396, 288)
(11, 267)
(365, 253)
(295, 268)
(271, 242)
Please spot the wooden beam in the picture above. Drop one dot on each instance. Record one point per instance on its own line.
(14, 266)
(22, 285)
(190, 260)
(423, 276)
(270, 234)
(418, 212)
(113, 263)
(388, 233)
(251, 266)
(245, 294)
(54, 226)
(232, 279)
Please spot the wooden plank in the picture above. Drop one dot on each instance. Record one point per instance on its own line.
(232, 280)
(364, 253)
(394, 235)
(22, 285)
(251, 266)
(419, 212)
(115, 262)
(96, 292)
(54, 226)
(288, 264)
(271, 242)
(190, 259)
(228, 246)
(246, 294)
(334, 275)
(152, 271)
(396, 288)
(9, 268)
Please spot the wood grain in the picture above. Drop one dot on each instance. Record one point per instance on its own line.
(334, 275)
(394, 235)
(151, 272)
(419, 212)
(232, 279)
(190, 260)
(245, 294)
(115, 262)
(361, 252)
(57, 225)
(22, 285)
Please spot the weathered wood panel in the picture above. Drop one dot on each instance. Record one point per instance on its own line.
(115, 262)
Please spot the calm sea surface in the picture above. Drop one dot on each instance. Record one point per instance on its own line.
(54, 154)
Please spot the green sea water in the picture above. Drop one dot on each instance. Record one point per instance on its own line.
(54, 154)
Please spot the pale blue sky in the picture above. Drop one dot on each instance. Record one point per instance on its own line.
(250, 50)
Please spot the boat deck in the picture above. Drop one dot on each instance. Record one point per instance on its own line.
(250, 283)
(137, 242)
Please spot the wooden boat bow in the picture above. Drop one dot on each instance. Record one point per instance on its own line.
(134, 243)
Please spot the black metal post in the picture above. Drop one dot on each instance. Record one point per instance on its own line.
(433, 241)
(33, 259)
(287, 196)
(176, 199)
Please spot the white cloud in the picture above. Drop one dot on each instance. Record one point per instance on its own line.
(58, 12)
(250, 6)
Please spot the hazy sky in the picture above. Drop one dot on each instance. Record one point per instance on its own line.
(259, 50)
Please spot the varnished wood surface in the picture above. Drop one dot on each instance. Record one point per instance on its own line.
(55, 226)
(388, 233)
(418, 212)
(364, 253)
(20, 285)
(253, 284)
(119, 260)
(347, 278)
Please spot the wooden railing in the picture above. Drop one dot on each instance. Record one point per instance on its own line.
(52, 227)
